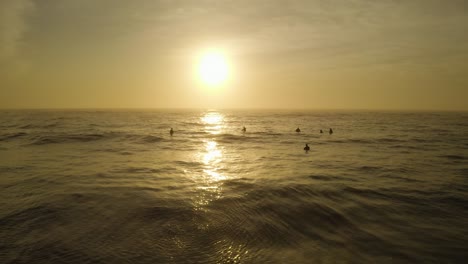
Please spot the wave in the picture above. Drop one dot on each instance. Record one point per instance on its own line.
(67, 138)
(265, 133)
(390, 140)
(138, 170)
(453, 157)
(228, 138)
(150, 139)
(283, 216)
(73, 138)
(353, 141)
(405, 147)
(400, 179)
(191, 124)
(6, 137)
(330, 178)
(40, 126)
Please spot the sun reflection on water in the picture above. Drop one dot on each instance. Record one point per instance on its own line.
(213, 122)
(211, 158)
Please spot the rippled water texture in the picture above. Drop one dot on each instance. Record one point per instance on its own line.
(115, 187)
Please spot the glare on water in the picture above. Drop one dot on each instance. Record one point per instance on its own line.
(211, 156)
(213, 122)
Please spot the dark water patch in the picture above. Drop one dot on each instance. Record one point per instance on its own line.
(142, 139)
(241, 185)
(400, 178)
(453, 157)
(283, 220)
(366, 193)
(413, 201)
(27, 126)
(40, 126)
(449, 200)
(292, 191)
(170, 213)
(137, 170)
(6, 137)
(51, 125)
(422, 140)
(465, 124)
(66, 138)
(410, 147)
(117, 150)
(402, 170)
(28, 219)
(231, 138)
(20, 168)
(368, 168)
(86, 137)
(53, 252)
(46, 141)
(460, 188)
(188, 163)
(288, 142)
(407, 197)
(464, 172)
(198, 133)
(329, 178)
(389, 140)
(191, 124)
(338, 141)
(139, 138)
(150, 189)
(358, 141)
(150, 139)
(264, 134)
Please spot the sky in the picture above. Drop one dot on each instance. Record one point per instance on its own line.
(303, 54)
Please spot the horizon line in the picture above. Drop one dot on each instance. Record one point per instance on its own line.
(226, 108)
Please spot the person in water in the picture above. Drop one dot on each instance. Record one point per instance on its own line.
(330, 131)
(321, 131)
(306, 148)
(244, 129)
(171, 131)
(298, 130)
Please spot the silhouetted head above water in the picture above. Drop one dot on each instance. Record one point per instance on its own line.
(298, 130)
(307, 148)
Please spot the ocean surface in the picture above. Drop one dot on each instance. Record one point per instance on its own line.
(116, 187)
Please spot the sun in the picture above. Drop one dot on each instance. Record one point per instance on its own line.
(213, 68)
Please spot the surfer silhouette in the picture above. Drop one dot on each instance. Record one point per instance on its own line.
(298, 130)
(171, 131)
(321, 131)
(244, 129)
(330, 131)
(306, 148)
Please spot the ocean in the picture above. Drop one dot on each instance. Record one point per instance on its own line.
(115, 187)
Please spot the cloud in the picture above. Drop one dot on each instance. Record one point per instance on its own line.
(12, 26)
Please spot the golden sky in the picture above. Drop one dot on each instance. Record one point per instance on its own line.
(318, 54)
